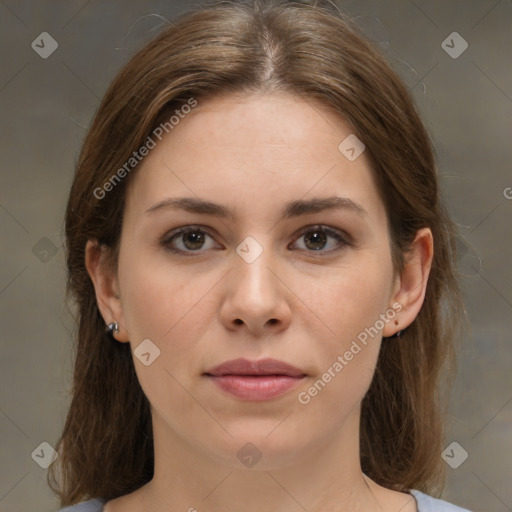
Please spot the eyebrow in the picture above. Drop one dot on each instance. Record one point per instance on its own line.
(291, 209)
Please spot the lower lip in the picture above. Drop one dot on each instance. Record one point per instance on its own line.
(250, 387)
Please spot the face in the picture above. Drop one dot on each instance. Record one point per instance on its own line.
(301, 284)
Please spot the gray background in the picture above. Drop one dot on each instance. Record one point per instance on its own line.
(46, 106)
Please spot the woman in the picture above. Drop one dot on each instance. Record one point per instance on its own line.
(265, 277)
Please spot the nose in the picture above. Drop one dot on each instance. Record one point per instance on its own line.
(256, 297)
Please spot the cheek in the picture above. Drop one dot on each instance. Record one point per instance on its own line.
(160, 300)
(350, 297)
(350, 303)
(164, 305)
(350, 306)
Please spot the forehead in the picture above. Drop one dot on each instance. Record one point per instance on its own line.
(262, 150)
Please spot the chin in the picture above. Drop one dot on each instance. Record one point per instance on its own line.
(266, 446)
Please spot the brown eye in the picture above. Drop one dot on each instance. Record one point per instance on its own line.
(190, 239)
(193, 239)
(316, 239)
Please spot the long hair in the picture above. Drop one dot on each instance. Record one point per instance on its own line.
(314, 51)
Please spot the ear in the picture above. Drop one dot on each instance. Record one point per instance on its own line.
(412, 284)
(106, 285)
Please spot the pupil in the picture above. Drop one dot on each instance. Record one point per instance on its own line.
(319, 239)
(198, 240)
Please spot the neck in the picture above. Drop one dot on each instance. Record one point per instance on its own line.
(325, 477)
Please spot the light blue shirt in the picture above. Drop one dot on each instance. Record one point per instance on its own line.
(425, 504)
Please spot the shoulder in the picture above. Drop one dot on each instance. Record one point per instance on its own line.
(95, 505)
(428, 504)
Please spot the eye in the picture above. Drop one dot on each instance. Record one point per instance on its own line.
(188, 239)
(316, 238)
(192, 239)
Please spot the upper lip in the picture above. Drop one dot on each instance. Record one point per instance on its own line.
(243, 366)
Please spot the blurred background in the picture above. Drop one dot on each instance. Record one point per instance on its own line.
(57, 59)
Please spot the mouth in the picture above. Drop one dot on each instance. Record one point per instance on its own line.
(255, 380)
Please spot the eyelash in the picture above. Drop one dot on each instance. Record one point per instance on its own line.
(343, 241)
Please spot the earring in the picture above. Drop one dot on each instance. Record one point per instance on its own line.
(113, 326)
(397, 334)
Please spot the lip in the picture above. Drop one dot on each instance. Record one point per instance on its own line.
(242, 366)
(255, 380)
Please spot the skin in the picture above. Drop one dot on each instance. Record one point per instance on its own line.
(253, 154)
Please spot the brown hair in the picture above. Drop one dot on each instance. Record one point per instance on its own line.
(312, 50)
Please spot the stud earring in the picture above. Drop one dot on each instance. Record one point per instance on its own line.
(397, 334)
(113, 326)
